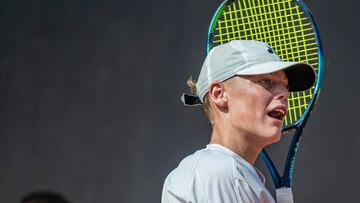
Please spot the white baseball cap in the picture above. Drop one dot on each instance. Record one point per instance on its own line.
(247, 57)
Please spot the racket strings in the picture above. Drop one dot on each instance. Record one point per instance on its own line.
(281, 24)
(297, 109)
(284, 38)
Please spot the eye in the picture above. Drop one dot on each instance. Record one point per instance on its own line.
(266, 81)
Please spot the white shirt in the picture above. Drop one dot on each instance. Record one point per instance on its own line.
(215, 175)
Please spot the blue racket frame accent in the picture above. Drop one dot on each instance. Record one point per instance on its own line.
(286, 179)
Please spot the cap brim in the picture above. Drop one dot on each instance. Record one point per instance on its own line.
(301, 76)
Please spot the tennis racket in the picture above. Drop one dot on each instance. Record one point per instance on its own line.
(289, 28)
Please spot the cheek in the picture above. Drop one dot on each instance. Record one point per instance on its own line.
(253, 109)
(248, 102)
(248, 108)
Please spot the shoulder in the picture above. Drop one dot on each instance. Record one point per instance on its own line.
(203, 167)
(181, 185)
(214, 174)
(206, 162)
(215, 164)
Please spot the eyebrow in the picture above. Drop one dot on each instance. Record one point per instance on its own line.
(273, 75)
(285, 78)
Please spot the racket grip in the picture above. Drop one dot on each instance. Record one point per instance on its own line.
(284, 195)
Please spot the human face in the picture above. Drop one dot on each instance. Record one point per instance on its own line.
(257, 105)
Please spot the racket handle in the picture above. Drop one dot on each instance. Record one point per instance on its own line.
(284, 195)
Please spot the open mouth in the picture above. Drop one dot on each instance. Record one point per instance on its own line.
(278, 114)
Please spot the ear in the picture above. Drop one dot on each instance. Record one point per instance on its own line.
(217, 94)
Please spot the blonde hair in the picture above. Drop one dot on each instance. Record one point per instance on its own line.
(206, 103)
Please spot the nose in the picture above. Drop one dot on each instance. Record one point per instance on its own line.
(282, 93)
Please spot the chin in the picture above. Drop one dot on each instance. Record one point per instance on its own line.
(277, 137)
(273, 136)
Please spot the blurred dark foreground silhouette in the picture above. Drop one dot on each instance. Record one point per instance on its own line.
(44, 197)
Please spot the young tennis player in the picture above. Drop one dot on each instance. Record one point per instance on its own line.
(243, 87)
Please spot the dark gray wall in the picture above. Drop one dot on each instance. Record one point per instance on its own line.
(90, 99)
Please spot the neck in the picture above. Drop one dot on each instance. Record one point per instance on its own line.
(239, 142)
